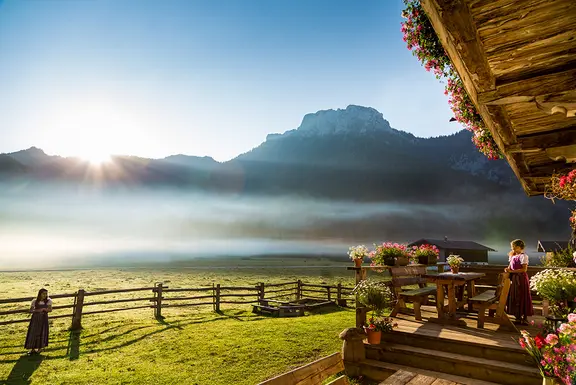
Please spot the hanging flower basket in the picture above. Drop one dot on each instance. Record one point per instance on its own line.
(422, 40)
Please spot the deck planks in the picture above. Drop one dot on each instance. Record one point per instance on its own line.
(490, 335)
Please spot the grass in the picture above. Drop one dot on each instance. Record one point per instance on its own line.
(192, 345)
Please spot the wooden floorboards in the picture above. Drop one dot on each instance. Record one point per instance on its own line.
(490, 335)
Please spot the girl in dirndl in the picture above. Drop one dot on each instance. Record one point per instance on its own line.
(519, 298)
(37, 336)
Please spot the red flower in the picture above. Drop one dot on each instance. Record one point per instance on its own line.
(539, 341)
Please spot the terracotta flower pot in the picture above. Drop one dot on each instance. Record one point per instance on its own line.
(374, 337)
(358, 262)
(455, 269)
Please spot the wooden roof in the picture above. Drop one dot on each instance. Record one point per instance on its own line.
(451, 245)
(517, 60)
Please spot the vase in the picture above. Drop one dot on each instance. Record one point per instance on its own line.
(374, 337)
(358, 262)
(455, 269)
(549, 381)
(402, 261)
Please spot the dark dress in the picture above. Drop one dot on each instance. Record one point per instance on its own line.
(37, 336)
(519, 299)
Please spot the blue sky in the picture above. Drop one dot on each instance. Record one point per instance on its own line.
(201, 77)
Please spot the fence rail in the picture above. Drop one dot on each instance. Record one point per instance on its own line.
(161, 298)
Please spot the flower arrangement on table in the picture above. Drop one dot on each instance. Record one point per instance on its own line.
(454, 261)
(357, 254)
(424, 254)
(555, 354)
(424, 43)
(381, 324)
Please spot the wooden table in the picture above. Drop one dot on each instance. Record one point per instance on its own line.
(451, 283)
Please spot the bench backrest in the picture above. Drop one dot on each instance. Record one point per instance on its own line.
(502, 291)
(408, 275)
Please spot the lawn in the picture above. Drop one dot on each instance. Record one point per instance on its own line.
(192, 345)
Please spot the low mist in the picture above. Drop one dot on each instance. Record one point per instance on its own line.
(47, 225)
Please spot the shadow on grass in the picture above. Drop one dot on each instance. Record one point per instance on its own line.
(73, 350)
(23, 369)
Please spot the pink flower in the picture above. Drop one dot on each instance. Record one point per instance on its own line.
(572, 317)
(552, 339)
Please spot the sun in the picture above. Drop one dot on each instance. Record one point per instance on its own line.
(97, 159)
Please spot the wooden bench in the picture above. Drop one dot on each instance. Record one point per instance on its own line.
(409, 276)
(314, 373)
(495, 302)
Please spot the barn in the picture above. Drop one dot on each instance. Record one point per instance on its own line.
(470, 251)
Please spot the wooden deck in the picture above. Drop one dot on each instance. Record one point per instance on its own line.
(475, 356)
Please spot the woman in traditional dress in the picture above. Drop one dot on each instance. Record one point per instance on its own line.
(519, 298)
(37, 336)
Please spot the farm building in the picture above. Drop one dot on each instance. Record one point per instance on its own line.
(470, 251)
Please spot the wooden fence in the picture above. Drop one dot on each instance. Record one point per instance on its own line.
(163, 297)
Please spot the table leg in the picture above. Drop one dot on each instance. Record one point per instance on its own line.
(440, 300)
(451, 301)
(471, 289)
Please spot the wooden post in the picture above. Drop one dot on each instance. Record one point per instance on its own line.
(545, 307)
(328, 293)
(213, 297)
(299, 290)
(218, 298)
(261, 292)
(360, 311)
(353, 350)
(77, 315)
(158, 309)
(339, 294)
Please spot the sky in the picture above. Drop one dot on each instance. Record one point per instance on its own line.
(201, 77)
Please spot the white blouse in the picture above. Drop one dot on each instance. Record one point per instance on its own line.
(524, 259)
(33, 304)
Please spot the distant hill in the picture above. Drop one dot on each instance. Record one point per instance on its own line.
(346, 154)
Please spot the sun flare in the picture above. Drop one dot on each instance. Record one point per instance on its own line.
(97, 159)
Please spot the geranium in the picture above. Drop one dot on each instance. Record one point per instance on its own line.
(358, 252)
(559, 352)
(422, 40)
(563, 186)
(531, 346)
(381, 324)
(454, 260)
(386, 253)
(426, 252)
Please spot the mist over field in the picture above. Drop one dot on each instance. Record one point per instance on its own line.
(45, 225)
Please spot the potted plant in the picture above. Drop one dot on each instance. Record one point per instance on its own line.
(557, 286)
(377, 296)
(357, 254)
(554, 354)
(454, 261)
(425, 254)
(390, 254)
(376, 326)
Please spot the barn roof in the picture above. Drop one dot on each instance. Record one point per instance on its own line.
(450, 244)
(517, 60)
(546, 246)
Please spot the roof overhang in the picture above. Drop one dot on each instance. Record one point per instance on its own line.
(517, 60)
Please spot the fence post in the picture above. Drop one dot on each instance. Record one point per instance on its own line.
(360, 311)
(339, 294)
(158, 309)
(77, 315)
(261, 291)
(328, 292)
(299, 290)
(218, 298)
(213, 297)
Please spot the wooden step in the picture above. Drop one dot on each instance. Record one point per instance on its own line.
(466, 366)
(465, 347)
(380, 371)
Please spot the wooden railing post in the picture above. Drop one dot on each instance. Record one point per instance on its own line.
(261, 293)
(217, 298)
(328, 293)
(339, 294)
(299, 290)
(158, 309)
(77, 314)
(360, 310)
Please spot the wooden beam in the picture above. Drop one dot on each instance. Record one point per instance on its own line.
(526, 90)
(457, 22)
(541, 141)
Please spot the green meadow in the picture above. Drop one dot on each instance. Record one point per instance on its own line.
(191, 345)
